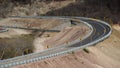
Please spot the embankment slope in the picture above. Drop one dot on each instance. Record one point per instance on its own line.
(103, 55)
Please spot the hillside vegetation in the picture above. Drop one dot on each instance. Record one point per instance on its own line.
(103, 55)
(88, 8)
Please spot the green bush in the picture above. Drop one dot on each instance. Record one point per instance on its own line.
(86, 50)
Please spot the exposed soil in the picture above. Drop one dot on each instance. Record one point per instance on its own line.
(67, 35)
(40, 40)
(104, 55)
(25, 41)
(31, 23)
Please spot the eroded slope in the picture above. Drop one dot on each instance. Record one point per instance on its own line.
(104, 55)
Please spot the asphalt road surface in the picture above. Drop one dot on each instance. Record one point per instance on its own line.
(101, 31)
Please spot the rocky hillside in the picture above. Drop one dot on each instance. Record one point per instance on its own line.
(29, 7)
(88, 8)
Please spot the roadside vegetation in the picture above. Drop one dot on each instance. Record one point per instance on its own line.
(107, 10)
(99, 9)
(88, 8)
(16, 46)
(86, 50)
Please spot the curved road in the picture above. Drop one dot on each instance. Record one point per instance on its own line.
(101, 31)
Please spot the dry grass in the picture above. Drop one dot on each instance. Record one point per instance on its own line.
(16, 46)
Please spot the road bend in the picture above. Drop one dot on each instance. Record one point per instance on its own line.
(100, 32)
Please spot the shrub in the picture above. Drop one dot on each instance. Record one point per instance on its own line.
(86, 50)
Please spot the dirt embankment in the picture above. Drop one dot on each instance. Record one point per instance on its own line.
(16, 42)
(105, 54)
(67, 35)
(64, 37)
(40, 40)
(28, 23)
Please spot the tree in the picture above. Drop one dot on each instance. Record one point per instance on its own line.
(113, 5)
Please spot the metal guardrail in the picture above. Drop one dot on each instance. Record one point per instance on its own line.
(71, 43)
(3, 30)
(59, 53)
(30, 28)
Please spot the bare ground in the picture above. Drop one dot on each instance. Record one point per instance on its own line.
(44, 40)
(105, 54)
(37, 44)
(31, 22)
(67, 35)
(28, 23)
